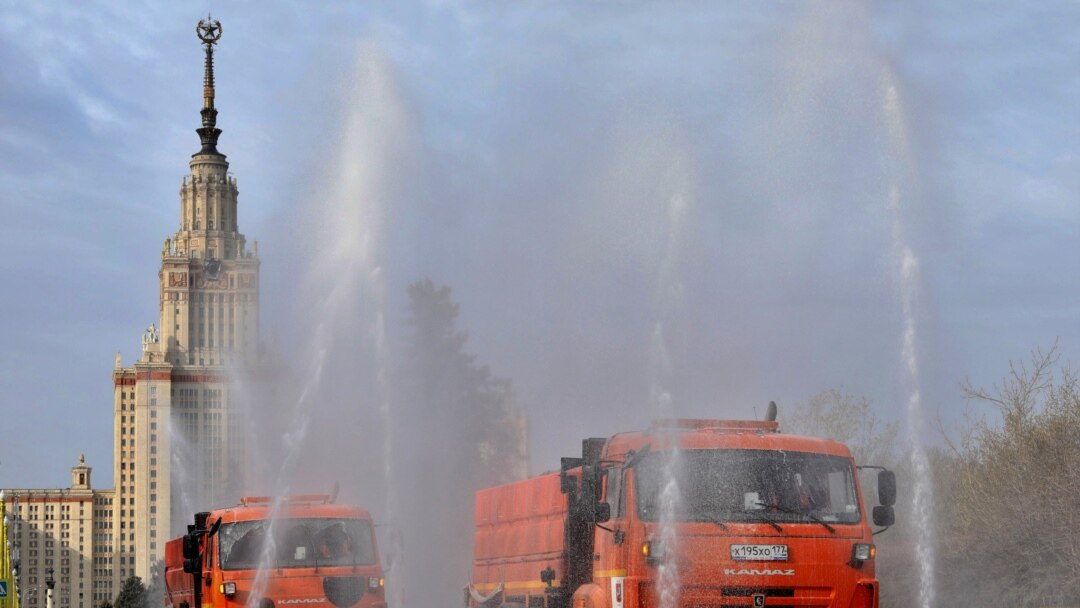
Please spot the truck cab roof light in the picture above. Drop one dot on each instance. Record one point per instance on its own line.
(248, 501)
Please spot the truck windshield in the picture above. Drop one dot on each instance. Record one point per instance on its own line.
(749, 485)
(296, 543)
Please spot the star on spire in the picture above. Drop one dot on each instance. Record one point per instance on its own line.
(209, 32)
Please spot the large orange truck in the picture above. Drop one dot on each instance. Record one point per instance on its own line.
(294, 552)
(709, 513)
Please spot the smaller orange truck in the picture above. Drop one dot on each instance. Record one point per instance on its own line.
(292, 552)
(684, 514)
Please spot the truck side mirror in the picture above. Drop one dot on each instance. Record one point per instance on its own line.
(886, 488)
(191, 546)
(191, 552)
(602, 512)
(884, 516)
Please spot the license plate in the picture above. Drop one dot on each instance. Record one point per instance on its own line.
(759, 553)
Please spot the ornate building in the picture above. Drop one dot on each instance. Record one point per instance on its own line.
(179, 445)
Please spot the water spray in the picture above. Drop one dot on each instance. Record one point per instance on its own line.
(908, 271)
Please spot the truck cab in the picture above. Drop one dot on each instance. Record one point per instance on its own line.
(688, 513)
(295, 552)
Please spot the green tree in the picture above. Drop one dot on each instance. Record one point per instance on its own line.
(472, 411)
(155, 589)
(458, 429)
(132, 594)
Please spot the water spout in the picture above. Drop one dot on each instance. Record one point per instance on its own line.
(908, 273)
(668, 298)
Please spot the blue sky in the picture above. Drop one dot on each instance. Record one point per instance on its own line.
(531, 156)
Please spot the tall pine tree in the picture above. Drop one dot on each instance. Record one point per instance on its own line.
(132, 594)
(459, 429)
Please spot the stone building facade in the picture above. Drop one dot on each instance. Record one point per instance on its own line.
(178, 443)
(66, 533)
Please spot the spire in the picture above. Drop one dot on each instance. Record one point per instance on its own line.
(209, 32)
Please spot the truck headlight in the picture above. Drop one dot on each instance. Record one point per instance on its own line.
(862, 552)
(375, 583)
(653, 550)
(228, 589)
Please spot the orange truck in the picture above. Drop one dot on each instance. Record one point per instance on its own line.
(294, 552)
(685, 514)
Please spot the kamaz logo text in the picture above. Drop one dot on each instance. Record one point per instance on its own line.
(306, 600)
(756, 572)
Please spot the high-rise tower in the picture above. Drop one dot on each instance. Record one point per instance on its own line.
(178, 444)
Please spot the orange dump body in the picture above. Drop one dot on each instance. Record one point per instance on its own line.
(731, 541)
(300, 553)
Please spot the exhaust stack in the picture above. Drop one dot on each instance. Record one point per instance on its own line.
(770, 413)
